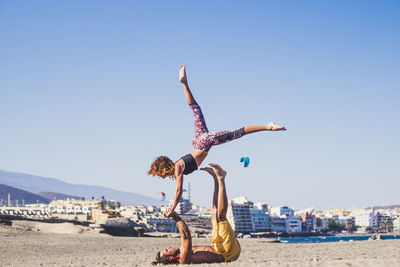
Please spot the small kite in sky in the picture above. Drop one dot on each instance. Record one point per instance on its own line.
(162, 195)
(246, 161)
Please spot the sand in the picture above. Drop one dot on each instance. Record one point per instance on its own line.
(39, 244)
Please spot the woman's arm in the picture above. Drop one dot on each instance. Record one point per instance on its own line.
(179, 187)
(179, 167)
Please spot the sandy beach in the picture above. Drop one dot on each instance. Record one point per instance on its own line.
(41, 244)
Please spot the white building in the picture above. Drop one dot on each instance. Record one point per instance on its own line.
(278, 224)
(59, 209)
(137, 213)
(30, 210)
(183, 206)
(322, 223)
(162, 224)
(283, 219)
(261, 206)
(239, 216)
(367, 218)
(153, 209)
(72, 206)
(260, 218)
(204, 212)
(282, 211)
(293, 224)
(396, 224)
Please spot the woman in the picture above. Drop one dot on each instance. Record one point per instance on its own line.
(202, 142)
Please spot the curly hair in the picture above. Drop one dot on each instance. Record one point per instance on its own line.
(163, 167)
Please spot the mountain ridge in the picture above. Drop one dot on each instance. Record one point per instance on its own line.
(33, 183)
(23, 196)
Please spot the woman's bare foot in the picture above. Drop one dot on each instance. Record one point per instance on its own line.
(272, 126)
(221, 173)
(182, 74)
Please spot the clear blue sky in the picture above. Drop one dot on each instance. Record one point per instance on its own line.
(89, 94)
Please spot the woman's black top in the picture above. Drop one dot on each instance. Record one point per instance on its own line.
(190, 164)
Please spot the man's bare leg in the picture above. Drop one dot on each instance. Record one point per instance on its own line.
(215, 195)
(222, 198)
(183, 80)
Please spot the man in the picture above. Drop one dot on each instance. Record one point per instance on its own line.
(224, 245)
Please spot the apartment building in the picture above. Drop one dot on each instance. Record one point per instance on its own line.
(308, 222)
(183, 206)
(396, 224)
(278, 224)
(239, 216)
(292, 224)
(366, 218)
(72, 206)
(260, 218)
(282, 211)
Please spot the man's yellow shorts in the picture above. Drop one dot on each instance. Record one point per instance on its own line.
(224, 241)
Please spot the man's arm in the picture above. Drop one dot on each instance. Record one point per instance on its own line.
(186, 239)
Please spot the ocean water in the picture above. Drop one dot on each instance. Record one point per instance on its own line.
(320, 239)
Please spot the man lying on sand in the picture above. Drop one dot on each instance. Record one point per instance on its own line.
(224, 245)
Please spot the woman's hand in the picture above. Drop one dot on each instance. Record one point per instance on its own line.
(168, 213)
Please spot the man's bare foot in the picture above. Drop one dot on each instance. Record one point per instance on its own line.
(182, 74)
(272, 126)
(221, 173)
(209, 170)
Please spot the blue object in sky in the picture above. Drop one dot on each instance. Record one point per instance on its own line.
(246, 161)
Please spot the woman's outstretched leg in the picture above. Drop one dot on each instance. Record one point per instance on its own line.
(272, 126)
(226, 136)
(199, 121)
(183, 79)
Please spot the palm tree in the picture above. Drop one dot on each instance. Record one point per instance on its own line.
(111, 205)
(387, 226)
(102, 204)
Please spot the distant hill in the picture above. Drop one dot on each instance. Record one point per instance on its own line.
(52, 195)
(34, 184)
(396, 206)
(20, 195)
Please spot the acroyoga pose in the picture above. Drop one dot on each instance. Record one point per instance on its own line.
(202, 142)
(224, 245)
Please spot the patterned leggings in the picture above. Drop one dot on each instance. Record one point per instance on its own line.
(203, 139)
